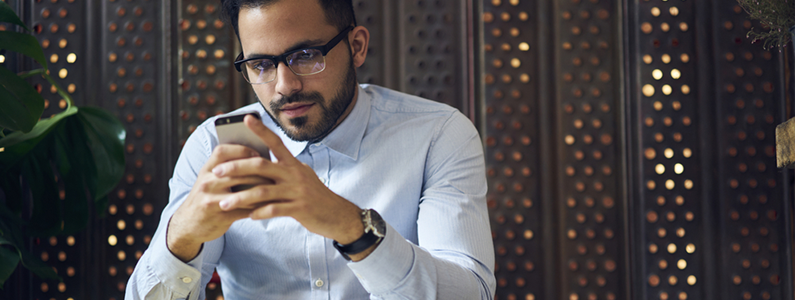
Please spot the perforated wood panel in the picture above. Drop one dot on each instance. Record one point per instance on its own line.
(705, 155)
(420, 47)
(207, 77)
(133, 79)
(512, 153)
(637, 158)
(372, 15)
(673, 250)
(588, 109)
(61, 30)
(756, 240)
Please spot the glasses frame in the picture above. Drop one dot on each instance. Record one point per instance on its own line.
(283, 57)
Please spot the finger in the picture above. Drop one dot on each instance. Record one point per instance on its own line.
(237, 214)
(255, 196)
(220, 185)
(251, 207)
(245, 182)
(227, 152)
(271, 139)
(272, 210)
(255, 166)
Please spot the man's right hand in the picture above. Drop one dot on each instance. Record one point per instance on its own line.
(200, 219)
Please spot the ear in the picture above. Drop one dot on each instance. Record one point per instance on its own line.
(359, 39)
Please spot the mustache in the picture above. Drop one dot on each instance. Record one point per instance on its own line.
(313, 97)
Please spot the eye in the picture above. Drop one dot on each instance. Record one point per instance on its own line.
(304, 55)
(263, 64)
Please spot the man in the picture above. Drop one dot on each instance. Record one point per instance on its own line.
(371, 193)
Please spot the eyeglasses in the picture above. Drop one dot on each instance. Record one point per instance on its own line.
(307, 61)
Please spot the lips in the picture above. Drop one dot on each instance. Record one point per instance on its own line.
(293, 110)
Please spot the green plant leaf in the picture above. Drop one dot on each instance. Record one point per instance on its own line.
(9, 259)
(12, 235)
(69, 139)
(20, 104)
(9, 252)
(23, 43)
(87, 150)
(9, 183)
(106, 140)
(46, 218)
(7, 14)
(17, 144)
(10, 225)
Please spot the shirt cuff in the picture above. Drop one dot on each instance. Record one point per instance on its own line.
(172, 272)
(387, 266)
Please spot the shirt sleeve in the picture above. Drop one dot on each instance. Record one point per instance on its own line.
(455, 255)
(159, 274)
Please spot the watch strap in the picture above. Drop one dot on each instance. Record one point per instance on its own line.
(365, 241)
(374, 232)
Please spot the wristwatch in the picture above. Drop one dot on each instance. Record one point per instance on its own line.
(374, 232)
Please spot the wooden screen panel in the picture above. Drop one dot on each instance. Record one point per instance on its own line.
(588, 109)
(420, 47)
(433, 52)
(753, 197)
(371, 14)
(511, 135)
(208, 83)
(60, 28)
(207, 79)
(671, 246)
(8, 60)
(131, 88)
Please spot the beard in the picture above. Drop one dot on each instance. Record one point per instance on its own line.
(330, 111)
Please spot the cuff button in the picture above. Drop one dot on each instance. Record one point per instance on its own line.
(187, 279)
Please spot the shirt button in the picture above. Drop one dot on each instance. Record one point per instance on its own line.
(319, 282)
(323, 180)
(187, 279)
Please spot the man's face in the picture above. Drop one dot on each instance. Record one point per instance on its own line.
(307, 108)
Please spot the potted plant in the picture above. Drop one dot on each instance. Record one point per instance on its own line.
(55, 172)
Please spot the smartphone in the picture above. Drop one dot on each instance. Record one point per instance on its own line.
(232, 130)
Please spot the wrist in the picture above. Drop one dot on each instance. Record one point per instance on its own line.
(373, 231)
(353, 230)
(184, 248)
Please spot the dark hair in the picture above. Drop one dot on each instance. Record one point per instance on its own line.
(338, 12)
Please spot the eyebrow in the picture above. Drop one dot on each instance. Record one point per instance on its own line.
(299, 45)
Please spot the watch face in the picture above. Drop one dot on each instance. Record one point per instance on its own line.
(376, 222)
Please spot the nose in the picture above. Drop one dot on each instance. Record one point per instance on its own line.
(287, 83)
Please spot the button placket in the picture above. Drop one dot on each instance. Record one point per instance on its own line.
(320, 155)
(316, 244)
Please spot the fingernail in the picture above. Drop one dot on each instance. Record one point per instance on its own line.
(254, 154)
(218, 171)
(224, 204)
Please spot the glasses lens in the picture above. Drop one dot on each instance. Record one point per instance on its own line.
(307, 62)
(260, 71)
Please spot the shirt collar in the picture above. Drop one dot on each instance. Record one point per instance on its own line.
(347, 137)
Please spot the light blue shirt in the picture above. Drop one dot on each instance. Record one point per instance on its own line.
(418, 163)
